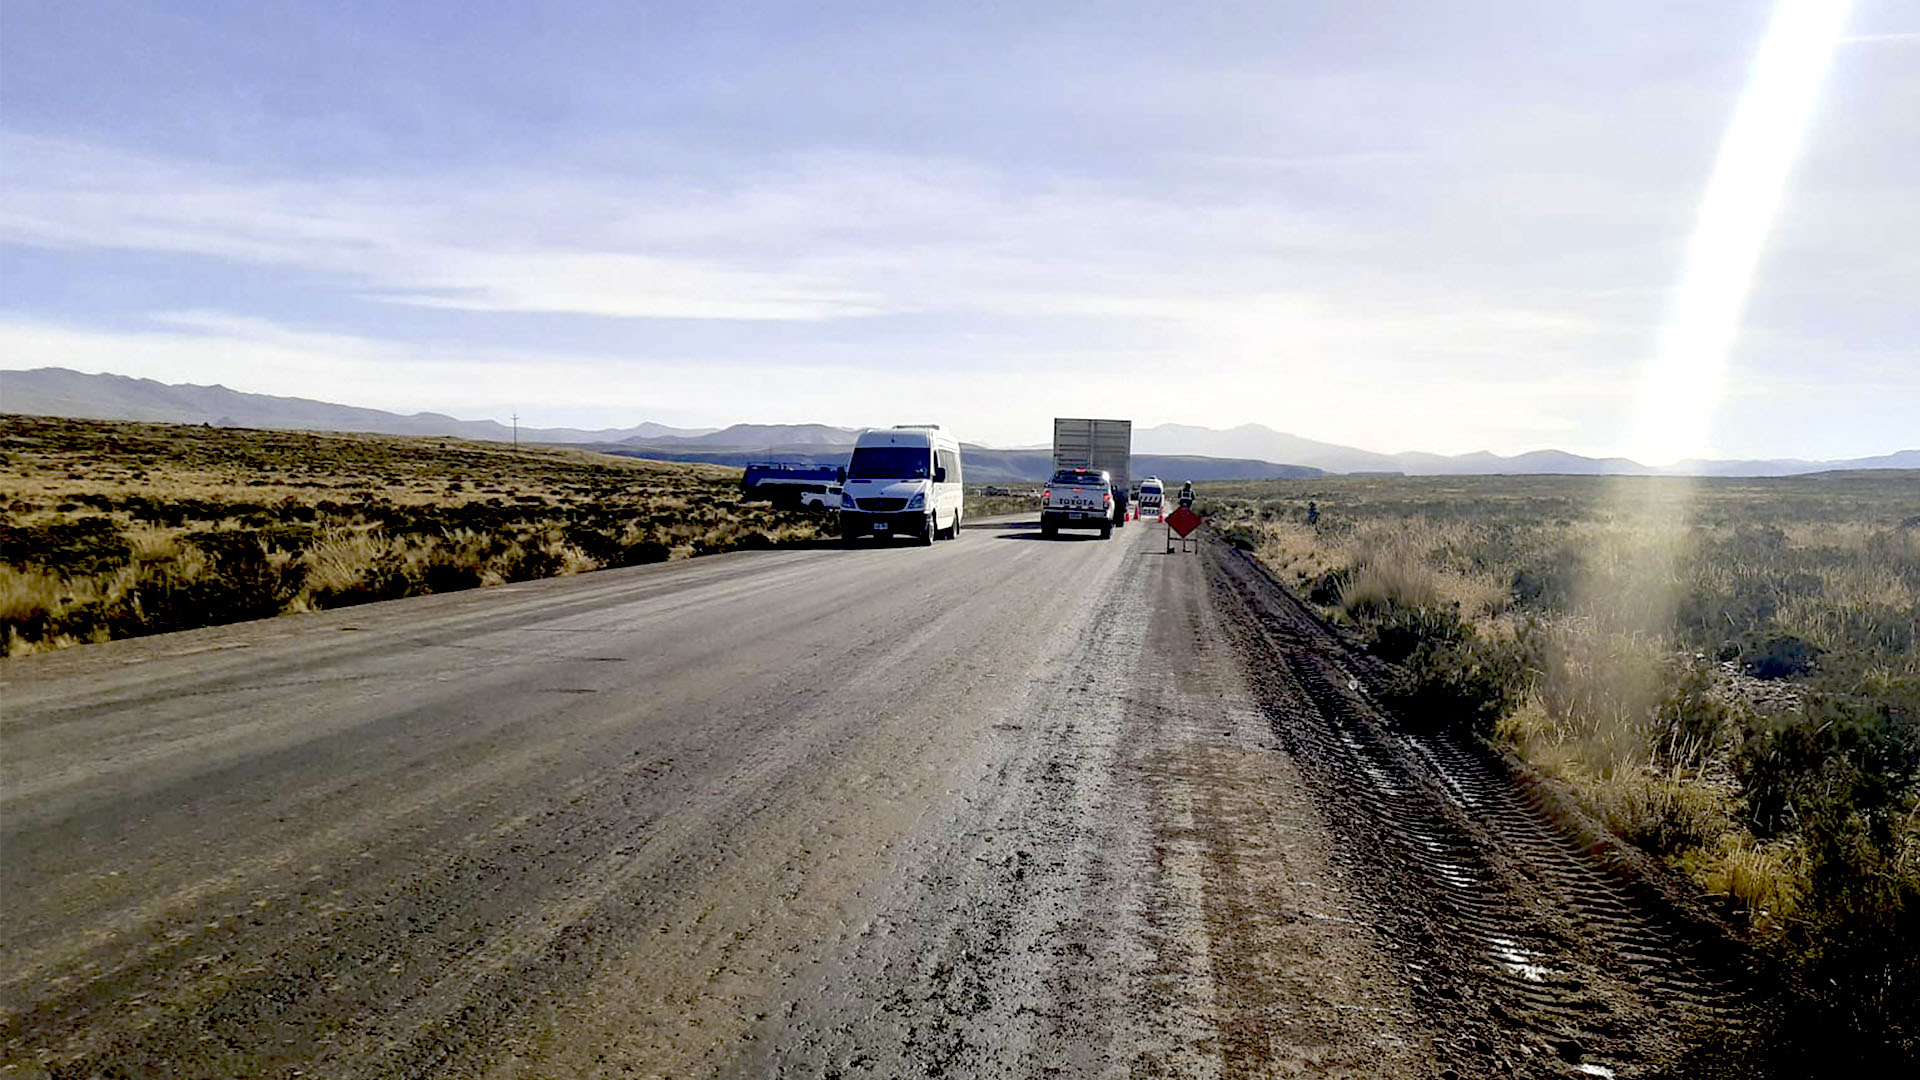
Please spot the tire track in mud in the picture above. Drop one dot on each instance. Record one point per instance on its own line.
(1536, 956)
(1296, 987)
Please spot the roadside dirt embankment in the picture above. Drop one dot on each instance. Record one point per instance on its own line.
(1539, 952)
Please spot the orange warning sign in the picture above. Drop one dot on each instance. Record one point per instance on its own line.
(1183, 521)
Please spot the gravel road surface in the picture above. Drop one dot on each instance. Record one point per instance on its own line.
(998, 808)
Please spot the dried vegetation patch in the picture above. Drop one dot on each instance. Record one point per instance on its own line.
(112, 530)
(1725, 672)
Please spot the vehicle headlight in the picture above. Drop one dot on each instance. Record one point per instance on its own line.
(846, 501)
(918, 502)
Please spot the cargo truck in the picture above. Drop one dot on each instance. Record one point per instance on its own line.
(1101, 446)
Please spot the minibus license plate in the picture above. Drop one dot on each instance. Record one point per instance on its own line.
(879, 526)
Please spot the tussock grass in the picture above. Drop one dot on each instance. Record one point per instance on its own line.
(979, 504)
(1764, 878)
(1725, 672)
(115, 529)
(1418, 564)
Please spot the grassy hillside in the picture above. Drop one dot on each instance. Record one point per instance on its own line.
(113, 529)
(1725, 672)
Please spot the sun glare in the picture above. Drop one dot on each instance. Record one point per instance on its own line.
(1681, 387)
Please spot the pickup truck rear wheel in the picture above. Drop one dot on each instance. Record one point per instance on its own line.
(1106, 530)
(1048, 529)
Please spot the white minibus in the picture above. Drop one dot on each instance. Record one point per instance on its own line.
(902, 480)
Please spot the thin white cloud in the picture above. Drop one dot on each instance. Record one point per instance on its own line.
(1910, 37)
(394, 239)
(621, 286)
(836, 237)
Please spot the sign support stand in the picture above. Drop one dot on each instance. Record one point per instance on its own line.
(1180, 526)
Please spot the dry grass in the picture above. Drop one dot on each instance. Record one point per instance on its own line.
(1417, 563)
(114, 529)
(1727, 673)
(1764, 879)
(979, 504)
(1600, 585)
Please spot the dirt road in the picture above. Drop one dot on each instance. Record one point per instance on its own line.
(999, 808)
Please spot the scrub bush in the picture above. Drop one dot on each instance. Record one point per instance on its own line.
(1774, 655)
(1326, 589)
(71, 548)
(1465, 682)
(1445, 674)
(1841, 777)
(112, 530)
(1840, 756)
(1725, 671)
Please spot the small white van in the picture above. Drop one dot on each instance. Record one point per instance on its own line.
(902, 480)
(1152, 496)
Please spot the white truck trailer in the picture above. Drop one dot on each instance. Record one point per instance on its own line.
(1097, 446)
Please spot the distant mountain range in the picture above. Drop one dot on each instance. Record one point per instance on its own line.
(1264, 443)
(1172, 451)
(60, 392)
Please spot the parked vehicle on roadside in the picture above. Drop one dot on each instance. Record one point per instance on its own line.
(787, 483)
(903, 480)
(1077, 499)
(828, 499)
(1153, 496)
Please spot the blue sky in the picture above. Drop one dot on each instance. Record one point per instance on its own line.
(1437, 226)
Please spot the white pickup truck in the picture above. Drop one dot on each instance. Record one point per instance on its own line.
(827, 499)
(1077, 499)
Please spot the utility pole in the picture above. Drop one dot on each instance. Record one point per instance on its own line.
(516, 429)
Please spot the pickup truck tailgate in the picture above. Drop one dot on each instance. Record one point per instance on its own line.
(1076, 498)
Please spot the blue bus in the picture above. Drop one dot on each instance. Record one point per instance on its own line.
(784, 482)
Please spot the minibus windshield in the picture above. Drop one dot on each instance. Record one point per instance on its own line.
(889, 463)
